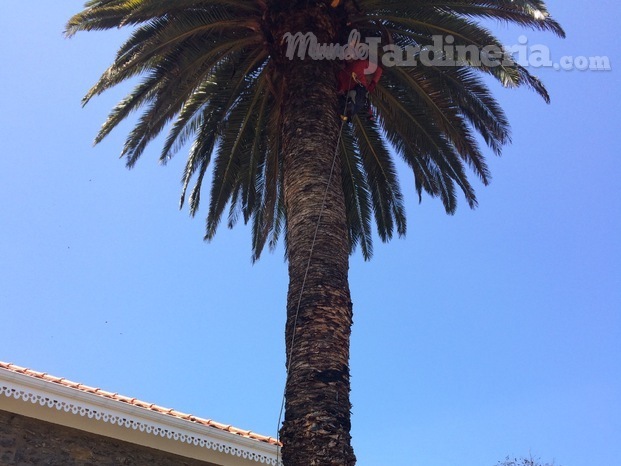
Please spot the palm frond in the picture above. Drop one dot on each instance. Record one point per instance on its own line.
(385, 193)
(108, 14)
(357, 196)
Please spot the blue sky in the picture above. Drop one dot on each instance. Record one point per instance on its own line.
(493, 332)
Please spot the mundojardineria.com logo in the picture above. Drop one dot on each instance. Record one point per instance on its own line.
(442, 52)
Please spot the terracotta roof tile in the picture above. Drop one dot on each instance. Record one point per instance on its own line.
(140, 404)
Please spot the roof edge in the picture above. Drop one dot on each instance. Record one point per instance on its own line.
(26, 385)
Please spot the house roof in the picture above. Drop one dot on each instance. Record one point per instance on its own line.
(72, 397)
(135, 402)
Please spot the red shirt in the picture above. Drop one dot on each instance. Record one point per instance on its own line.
(354, 74)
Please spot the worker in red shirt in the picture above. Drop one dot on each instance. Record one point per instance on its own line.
(355, 80)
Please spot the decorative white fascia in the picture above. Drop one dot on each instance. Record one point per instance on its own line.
(55, 396)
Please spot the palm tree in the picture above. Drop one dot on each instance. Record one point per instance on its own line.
(215, 75)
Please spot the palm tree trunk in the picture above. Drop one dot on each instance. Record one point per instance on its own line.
(316, 428)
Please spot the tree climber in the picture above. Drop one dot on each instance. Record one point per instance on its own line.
(355, 81)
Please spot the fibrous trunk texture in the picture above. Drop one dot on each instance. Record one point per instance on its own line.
(316, 428)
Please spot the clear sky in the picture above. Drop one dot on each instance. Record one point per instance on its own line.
(493, 332)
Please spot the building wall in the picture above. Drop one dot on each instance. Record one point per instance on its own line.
(28, 441)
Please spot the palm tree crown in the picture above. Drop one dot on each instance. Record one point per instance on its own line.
(213, 74)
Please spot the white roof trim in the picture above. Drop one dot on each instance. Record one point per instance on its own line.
(52, 395)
